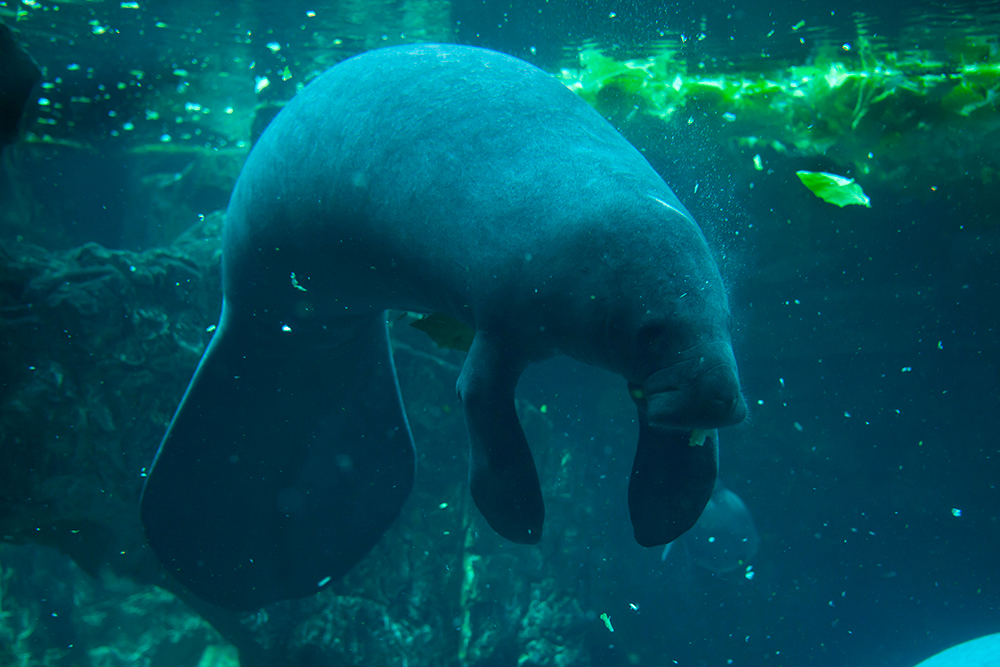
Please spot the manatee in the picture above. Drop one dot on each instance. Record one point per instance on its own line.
(436, 179)
(981, 652)
(724, 538)
(18, 76)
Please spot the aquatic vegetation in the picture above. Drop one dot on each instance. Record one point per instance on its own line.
(834, 189)
(52, 613)
(445, 331)
(17, 623)
(891, 117)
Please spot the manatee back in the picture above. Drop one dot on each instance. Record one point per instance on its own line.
(399, 148)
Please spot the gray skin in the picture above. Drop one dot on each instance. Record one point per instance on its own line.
(18, 75)
(439, 179)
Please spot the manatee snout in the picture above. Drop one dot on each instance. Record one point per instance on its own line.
(715, 398)
(701, 392)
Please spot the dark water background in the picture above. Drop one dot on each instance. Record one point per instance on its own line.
(867, 338)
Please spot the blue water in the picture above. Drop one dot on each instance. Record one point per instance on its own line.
(867, 341)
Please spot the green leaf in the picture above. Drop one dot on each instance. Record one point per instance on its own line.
(446, 331)
(834, 189)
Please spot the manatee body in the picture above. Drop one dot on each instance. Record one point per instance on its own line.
(440, 179)
(981, 652)
(18, 75)
(725, 538)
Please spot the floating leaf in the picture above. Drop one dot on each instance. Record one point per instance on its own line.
(446, 331)
(834, 189)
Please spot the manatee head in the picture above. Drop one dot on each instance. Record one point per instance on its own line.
(674, 329)
(694, 388)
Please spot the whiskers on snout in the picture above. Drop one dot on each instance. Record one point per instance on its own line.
(747, 419)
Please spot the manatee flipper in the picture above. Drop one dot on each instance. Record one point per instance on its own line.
(672, 481)
(289, 456)
(502, 475)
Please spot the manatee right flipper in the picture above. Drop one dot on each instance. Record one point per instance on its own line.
(502, 475)
(288, 458)
(672, 479)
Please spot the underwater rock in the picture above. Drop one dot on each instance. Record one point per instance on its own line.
(97, 344)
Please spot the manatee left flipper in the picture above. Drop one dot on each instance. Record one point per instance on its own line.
(672, 479)
(502, 475)
(288, 458)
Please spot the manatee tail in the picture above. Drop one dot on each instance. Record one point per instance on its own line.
(287, 459)
(672, 479)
